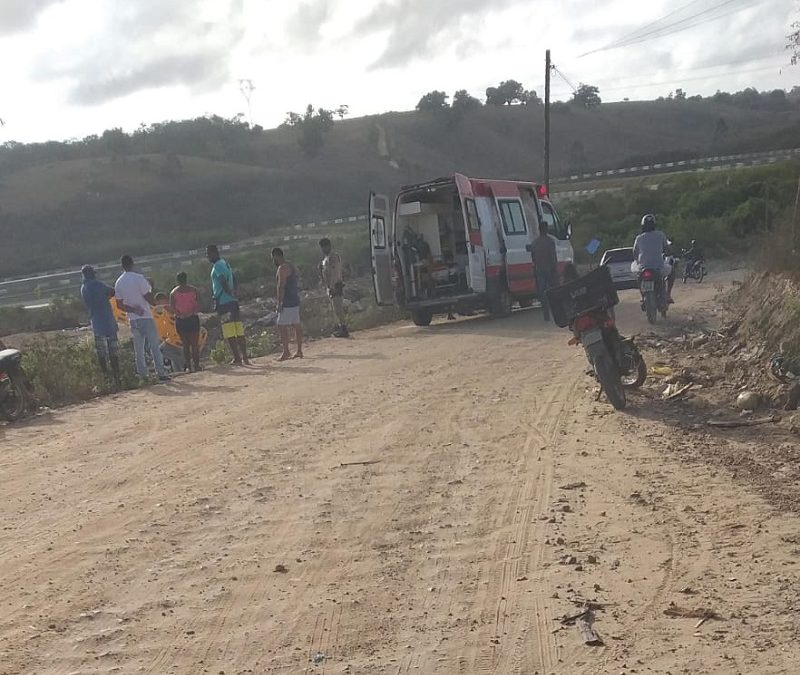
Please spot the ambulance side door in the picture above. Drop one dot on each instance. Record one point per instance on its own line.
(380, 249)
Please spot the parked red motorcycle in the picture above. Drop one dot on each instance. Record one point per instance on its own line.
(16, 391)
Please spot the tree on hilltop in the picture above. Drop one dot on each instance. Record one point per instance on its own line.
(463, 100)
(433, 100)
(587, 96)
(313, 125)
(506, 93)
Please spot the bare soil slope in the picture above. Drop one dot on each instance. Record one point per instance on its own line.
(411, 501)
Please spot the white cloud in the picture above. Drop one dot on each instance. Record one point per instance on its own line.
(80, 66)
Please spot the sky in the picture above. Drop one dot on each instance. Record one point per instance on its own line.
(72, 68)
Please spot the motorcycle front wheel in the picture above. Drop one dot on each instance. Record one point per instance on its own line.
(637, 375)
(12, 399)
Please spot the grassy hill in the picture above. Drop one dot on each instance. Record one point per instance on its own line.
(182, 184)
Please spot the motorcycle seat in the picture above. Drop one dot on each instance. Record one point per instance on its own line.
(10, 357)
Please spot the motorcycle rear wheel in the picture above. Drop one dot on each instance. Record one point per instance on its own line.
(700, 274)
(608, 376)
(650, 307)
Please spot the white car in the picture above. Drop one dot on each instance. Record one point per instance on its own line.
(618, 261)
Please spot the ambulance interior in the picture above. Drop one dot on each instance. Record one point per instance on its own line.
(432, 242)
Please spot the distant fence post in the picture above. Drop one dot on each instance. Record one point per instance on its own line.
(794, 216)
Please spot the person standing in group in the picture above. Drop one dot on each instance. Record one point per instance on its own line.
(330, 270)
(135, 296)
(545, 263)
(288, 304)
(185, 304)
(96, 296)
(227, 306)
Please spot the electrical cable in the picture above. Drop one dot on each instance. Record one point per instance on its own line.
(674, 27)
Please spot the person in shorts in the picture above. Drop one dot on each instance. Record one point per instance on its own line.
(288, 304)
(185, 305)
(227, 306)
(96, 296)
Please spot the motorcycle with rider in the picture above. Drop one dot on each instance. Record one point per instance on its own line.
(695, 267)
(651, 264)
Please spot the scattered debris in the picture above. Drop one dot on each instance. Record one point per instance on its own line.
(318, 658)
(568, 560)
(732, 424)
(704, 614)
(365, 462)
(792, 398)
(675, 390)
(573, 486)
(280, 569)
(661, 370)
(584, 624)
(749, 400)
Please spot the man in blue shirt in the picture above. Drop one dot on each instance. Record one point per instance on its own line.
(96, 296)
(226, 305)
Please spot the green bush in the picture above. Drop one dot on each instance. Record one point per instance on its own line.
(64, 370)
(725, 211)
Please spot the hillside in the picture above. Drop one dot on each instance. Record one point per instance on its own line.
(179, 185)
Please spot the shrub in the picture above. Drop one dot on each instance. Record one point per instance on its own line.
(64, 370)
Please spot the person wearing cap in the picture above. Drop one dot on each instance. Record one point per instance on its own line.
(96, 296)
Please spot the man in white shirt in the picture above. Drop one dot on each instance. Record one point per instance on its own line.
(135, 297)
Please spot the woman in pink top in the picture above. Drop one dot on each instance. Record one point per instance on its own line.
(184, 302)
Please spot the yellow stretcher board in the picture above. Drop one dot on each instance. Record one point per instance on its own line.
(165, 323)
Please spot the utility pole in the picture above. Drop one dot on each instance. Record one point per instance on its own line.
(547, 69)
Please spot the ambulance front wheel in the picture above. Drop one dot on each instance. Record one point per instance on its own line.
(422, 317)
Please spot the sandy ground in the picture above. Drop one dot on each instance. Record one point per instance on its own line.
(220, 524)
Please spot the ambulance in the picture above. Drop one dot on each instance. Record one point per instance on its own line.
(461, 245)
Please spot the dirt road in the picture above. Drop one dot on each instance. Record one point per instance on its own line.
(224, 523)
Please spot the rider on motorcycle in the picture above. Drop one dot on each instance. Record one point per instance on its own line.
(694, 252)
(649, 251)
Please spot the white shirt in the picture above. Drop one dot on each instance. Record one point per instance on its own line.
(131, 287)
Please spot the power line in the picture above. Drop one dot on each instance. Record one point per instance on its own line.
(737, 62)
(687, 79)
(691, 22)
(564, 77)
(674, 27)
(643, 32)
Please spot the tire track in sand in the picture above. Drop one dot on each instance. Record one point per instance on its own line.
(512, 648)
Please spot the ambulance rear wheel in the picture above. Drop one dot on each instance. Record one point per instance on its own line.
(501, 305)
(422, 317)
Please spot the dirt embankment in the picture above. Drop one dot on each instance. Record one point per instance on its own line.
(734, 389)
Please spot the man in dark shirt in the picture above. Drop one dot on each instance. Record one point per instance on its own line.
(96, 296)
(545, 263)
